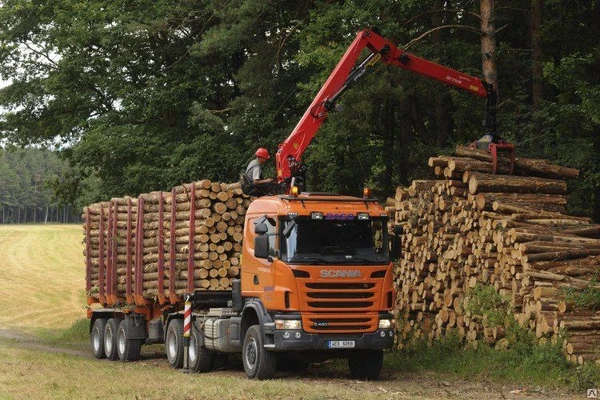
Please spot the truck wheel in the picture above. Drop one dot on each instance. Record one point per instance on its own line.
(127, 349)
(366, 364)
(110, 339)
(174, 343)
(258, 363)
(97, 337)
(199, 358)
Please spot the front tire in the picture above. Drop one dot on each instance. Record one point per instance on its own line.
(97, 337)
(200, 359)
(366, 364)
(258, 363)
(127, 349)
(174, 343)
(110, 339)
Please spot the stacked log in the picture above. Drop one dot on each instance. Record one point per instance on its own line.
(473, 228)
(165, 244)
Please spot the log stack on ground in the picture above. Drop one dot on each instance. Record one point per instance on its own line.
(472, 228)
(165, 244)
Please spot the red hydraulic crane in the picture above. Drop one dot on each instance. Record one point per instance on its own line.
(289, 155)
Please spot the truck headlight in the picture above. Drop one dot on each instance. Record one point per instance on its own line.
(386, 323)
(288, 324)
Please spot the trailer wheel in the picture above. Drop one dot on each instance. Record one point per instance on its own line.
(110, 339)
(127, 349)
(200, 359)
(174, 343)
(366, 364)
(97, 337)
(258, 363)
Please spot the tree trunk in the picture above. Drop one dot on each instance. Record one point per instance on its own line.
(488, 42)
(536, 53)
(442, 99)
(596, 212)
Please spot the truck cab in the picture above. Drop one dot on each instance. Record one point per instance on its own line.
(317, 281)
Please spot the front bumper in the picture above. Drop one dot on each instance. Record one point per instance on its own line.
(299, 340)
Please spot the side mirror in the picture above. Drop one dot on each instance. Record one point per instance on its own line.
(398, 231)
(396, 250)
(261, 247)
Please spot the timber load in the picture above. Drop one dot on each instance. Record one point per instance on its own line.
(470, 229)
(161, 245)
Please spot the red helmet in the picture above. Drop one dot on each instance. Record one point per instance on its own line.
(262, 152)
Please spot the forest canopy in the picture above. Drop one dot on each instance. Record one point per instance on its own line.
(141, 95)
(27, 195)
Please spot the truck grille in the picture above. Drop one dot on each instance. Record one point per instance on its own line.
(340, 307)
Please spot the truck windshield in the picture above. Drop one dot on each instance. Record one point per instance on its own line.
(311, 241)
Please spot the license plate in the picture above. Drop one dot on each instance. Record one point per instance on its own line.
(340, 344)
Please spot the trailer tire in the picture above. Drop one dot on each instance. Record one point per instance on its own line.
(110, 339)
(199, 358)
(365, 364)
(127, 349)
(258, 362)
(174, 343)
(97, 337)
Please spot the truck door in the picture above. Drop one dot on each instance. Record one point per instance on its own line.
(258, 270)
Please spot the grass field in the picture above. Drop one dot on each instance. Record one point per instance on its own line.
(43, 271)
(44, 349)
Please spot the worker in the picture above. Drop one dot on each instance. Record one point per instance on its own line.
(256, 184)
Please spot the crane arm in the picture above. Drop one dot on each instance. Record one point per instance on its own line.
(289, 154)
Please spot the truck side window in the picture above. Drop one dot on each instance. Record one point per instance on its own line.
(272, 233)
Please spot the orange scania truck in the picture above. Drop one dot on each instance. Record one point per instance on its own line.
(316, 273)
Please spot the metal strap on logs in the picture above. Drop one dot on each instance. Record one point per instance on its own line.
(101, 297)
(139, 256)
(172, 270)
(130, 263)
(191, 244)
(88, 257)
(161, 254)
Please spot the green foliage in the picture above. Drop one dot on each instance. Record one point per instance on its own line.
(542, 364)
(26, 180)
(588, 297)
(146, 94)
(484, 300)
(585, 377)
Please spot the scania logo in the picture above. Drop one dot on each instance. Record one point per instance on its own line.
(340, 273)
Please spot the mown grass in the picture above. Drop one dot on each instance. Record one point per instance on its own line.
(43, 276)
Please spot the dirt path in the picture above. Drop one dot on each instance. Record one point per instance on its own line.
(12, 337)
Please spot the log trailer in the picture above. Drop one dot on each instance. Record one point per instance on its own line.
(316, 274)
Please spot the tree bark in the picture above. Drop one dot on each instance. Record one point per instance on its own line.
(536, 53)
(488, 42)
(596, 136)
(515, 184)
(442, 99)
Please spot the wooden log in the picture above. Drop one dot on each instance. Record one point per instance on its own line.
(523, 166)
(513, 184)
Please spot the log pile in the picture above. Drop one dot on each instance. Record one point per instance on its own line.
(164, 243)
(472, 228)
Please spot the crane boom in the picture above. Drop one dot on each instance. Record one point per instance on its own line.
(289, 154)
